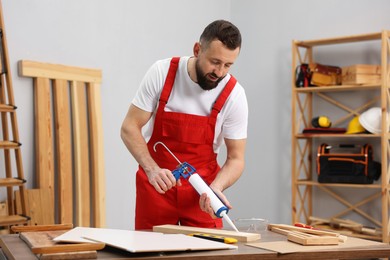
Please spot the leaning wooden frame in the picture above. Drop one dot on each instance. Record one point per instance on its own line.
(69, 140)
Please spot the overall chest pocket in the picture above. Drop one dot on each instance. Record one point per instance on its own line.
(185, 128)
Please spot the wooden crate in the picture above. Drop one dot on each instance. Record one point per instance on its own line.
(359, 74)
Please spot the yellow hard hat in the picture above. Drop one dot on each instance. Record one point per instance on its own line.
(354, 126)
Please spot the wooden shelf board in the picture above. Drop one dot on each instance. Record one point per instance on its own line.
(314, 183)
(303, 136)
(340, 40)
(338, 88)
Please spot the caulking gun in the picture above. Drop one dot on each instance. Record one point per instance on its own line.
(188, 172)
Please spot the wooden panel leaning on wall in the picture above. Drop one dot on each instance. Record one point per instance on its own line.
(69, 140)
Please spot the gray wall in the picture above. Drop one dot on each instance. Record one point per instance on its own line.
(124, 38)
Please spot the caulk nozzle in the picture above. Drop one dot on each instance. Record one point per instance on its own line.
(229, 221)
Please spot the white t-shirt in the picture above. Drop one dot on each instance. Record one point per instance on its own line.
(188, 97)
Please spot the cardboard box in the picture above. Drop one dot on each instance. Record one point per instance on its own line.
(361, 74)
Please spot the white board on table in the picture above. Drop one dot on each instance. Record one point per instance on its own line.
(139, 241)
(78, 234)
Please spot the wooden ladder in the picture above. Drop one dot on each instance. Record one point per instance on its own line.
(9, 139)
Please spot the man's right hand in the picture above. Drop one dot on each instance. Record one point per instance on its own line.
(162, 180)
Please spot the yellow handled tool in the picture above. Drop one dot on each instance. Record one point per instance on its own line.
(227, 240)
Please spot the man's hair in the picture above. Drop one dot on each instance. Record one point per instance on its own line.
(224, 31)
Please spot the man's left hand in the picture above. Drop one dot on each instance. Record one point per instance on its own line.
(205, 204)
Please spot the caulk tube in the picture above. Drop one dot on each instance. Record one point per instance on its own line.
(201, 187)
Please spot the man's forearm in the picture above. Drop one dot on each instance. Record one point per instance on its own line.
(131, 134)
(137, 146)
(229, 174)
(233, 166)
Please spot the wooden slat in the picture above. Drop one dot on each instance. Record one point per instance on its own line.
(175, 229)
(63, 150)
(56, 71)
(81, 153)
(64, 227)
(65, 248)
(311, 240)
(43, 135)
(6, 108)
(39, 206)
(97, 154)
(41, 242)
(11, 182)
(79, 150)
(9, 145)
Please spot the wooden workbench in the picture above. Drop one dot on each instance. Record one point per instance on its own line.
(17, 249)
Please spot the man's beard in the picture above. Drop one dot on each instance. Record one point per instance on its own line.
(203, 81)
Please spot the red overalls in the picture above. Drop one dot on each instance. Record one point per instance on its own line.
(190, 138)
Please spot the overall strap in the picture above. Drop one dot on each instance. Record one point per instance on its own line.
(220, 102)
(169, 81)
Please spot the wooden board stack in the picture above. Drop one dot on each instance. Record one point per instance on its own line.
(40, 241)
(306, 236)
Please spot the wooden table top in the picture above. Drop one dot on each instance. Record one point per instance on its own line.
(14, 248)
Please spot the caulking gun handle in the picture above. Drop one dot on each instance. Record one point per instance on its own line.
(177, 173)
(184, 169)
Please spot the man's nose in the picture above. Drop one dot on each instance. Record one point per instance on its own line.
(219, 71)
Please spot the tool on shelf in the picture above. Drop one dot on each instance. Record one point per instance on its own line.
(321, 122)
(188, 172)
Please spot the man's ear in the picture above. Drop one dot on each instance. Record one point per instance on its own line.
(196, 49)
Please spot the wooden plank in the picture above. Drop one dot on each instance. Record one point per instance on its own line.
(63, 227)
(56, 71)
(67, 248)
(63, 150)
(175, 229)
(86, 147)
(97, 154)
(311, 240)
(81, 153)
(339, 40)
(278, 228)
(306, 230)
(39, 206)
(43, 135)
(41, 242)
(69, 255)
